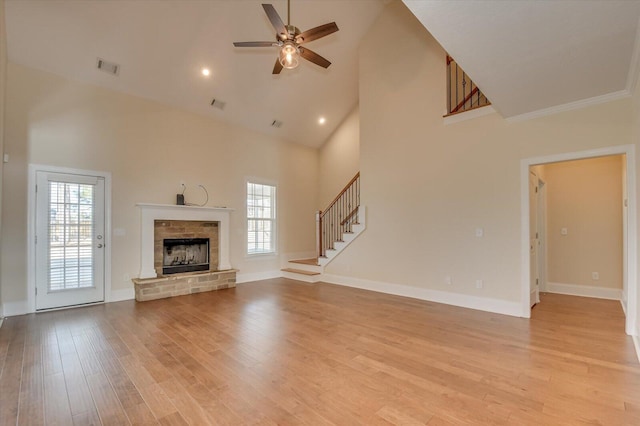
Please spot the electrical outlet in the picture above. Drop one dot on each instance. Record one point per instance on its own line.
(595, 276)
(126, 278)
(564, 231)
(479, 232)
(448, 280)
(479, 284)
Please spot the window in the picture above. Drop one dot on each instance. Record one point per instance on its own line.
(261, 218)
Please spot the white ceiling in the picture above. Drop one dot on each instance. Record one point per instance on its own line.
(531, 56)
(527, 56)
(161, 46)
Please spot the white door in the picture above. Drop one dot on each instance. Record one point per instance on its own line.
(70, 215)
(541, 254)
(533, 240)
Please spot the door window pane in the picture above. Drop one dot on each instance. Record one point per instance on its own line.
(71, 229)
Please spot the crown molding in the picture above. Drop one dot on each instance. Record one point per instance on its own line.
(583, 103)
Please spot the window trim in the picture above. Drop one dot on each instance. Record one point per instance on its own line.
(274, 184)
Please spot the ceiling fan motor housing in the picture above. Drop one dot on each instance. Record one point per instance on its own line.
(292, 31)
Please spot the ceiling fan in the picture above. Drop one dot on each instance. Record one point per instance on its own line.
(289, 40)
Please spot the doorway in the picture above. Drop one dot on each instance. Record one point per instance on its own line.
(69, 238)
(629, 239)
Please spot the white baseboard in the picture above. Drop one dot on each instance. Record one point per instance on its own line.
(122, 294)
(636, 344)
(497, 306)
(12, 309)
(257, 276)
(584, 291)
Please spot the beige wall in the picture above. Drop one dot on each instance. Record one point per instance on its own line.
(3, 76)
(149, 148)
(585, 197)
(427, 186)
(339, 158)
(635, 137)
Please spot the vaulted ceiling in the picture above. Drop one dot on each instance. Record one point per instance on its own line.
(162, 45)
(529, 57)
(535, 57)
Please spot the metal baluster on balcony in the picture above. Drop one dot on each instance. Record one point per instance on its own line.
(467, 94)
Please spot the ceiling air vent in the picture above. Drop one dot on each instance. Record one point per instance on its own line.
(276, 123)
(217, 103)
(108, 67)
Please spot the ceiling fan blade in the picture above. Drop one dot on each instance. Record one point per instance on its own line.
(254, 43)
(317, 32)
(312, 56)
(277, 67)
(277, 23)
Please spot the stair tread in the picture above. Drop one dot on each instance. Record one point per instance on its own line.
(313, 261)
(300, 271)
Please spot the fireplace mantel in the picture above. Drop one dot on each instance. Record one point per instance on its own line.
(149, 213)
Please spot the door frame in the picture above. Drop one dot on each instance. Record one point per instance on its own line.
(536, 248)
(542, 237)
(631, 252)
(31, 228)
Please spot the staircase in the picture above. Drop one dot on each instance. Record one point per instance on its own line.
(337, 226)
(307, 270)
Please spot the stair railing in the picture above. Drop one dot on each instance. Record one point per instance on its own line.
(338, 217)
(462, 93)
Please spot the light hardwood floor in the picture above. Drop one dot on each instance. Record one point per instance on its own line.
(283, 352)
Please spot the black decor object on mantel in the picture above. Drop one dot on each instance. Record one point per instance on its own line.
(180, 197)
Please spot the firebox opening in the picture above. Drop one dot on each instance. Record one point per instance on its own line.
(185, 255)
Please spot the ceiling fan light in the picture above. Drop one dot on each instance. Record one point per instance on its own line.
(289, 56)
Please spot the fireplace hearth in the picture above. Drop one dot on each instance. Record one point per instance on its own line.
(185, 255)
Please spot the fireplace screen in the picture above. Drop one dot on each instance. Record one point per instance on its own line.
(185, 255)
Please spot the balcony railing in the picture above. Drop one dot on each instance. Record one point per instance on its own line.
(462, 93)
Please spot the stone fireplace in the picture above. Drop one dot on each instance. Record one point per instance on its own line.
(184, 250)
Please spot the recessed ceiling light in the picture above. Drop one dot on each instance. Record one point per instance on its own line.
(322, 120)
(206, 72)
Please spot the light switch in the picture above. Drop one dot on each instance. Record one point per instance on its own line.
(479, 232)
(563, 231)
